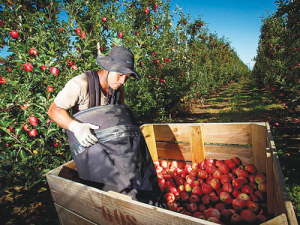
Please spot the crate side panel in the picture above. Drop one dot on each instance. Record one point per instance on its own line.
(172, 151)
(279, 220)
(282, 202)
(220, 133)
(67, 217)
(259, 146)
(105, 208)
(149, 136)
(227, 152)
(196, 144)
(172, 132)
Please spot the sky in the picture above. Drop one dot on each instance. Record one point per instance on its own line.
(239, 21)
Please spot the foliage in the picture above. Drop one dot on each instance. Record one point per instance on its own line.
(277, 66)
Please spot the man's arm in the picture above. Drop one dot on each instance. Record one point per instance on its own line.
(60, 116)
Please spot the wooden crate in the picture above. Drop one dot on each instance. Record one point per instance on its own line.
(77, 203)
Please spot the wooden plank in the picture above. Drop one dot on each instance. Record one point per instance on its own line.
(259, 145)
(174, 151)
(67, 217)
(175, 132)
(182, 152)
(279, 220)
(282, 191)
(270, 182)
(227, 152)
(149, 135)
(104, 208)
(227, 133)
(196, 144)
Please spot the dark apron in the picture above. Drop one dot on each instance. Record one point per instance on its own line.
(120, 161)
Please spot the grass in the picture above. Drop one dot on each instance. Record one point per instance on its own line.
(244, 102)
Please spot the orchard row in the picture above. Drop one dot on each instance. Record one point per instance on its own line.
(277, 66)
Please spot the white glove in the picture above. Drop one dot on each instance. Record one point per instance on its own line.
(83, 133)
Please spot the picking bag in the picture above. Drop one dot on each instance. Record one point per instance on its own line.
(120, 161)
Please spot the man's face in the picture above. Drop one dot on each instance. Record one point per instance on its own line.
(116, 80)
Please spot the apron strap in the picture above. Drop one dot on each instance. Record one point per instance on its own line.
(94, 88)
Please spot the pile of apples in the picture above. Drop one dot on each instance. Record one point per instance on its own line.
(220, 191)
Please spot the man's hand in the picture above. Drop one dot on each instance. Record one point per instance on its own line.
(82, 132)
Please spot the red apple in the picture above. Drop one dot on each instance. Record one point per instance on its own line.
(173, 206)
(217, 174)
(248, 216)
(54, 71)
(33, 120)
(238, 204)
(205, 199)
(236, 218)
(230, 163)
(262, 187)
(206, 188)
(260, 177)
(213, 220)
(202, 207)
(104, 19)
(244, 196)
(202, 174)
(198, 214)
(224, 195)
(238, 183)
(227, 187)
(192, 207)
(250, 168)
(189, 178)
(261, 218)
(74, 67)
(219, 163)
(43, 68)
(169, 197)
(215, 183)
(14, 34)
(33, 52)
(195, 166)
(225, 179)
(220, 206)
(28, 67)
(210, 168)
(194, 198)
(225, 215)
(25, 127)
(260, 195)
(50, 88)
(242, 173)
(224, 168)
(237, 160)
(120, 34)
(184, 196)
(188, 168)
(33, 133)
(212, 212)
(254, 206)
(247, 189)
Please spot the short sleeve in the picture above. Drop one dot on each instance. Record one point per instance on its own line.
(69, 95)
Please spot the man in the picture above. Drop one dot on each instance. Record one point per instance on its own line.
(117, 67)
(114, 156)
